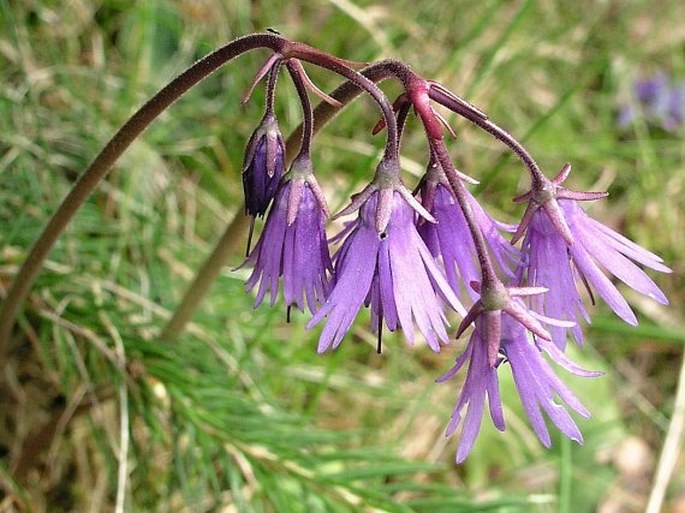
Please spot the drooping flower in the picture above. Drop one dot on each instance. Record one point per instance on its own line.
(293, 244)
(535, 381)
(481, 381)
(594, 253)
(537, 384)
(263, 166)
(450, 238)
(384, 264)
(597, 251)
(546, 261)
(496, 299)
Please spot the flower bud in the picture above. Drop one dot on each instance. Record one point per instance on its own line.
(263, 166)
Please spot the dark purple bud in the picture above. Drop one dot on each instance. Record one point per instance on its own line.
(263, 166)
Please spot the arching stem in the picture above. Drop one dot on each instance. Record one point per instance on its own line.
(99, 167)
(458, 107)
(314, 56)
(105, 159)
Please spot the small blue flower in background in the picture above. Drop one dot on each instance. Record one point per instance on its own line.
(660, 100)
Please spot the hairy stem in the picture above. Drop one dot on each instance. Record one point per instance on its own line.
(99, 167)
(307, 114)
(271, 88)
(493, 129)
(459, 106)
(309, 54)
(92, 176)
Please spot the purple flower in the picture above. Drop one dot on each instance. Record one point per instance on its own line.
(391, 270)
(293, 245)
(263, 166)
(450, 237)
(659, 99)
(537, 384)
(535, 381)
(650, 90)
(596, 251)
(481, 381)
(563, 245)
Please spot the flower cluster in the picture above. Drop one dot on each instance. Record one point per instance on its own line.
(412, 259)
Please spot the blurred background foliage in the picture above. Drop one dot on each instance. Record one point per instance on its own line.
(240, 414)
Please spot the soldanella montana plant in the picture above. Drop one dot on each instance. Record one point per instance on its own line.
(417, 260)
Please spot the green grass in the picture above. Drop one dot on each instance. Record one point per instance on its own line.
(240, 413)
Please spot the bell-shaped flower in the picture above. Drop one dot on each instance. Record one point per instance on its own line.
(384, 264)
(449, 237)
(535, 380)
(293, 243)
(591, 253)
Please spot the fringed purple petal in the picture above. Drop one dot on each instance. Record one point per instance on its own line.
(481, 381)
(412, 289)
(306, 260)
(354, 274)
(450, 238)
(461, 360)
(603, 249)
(472, 422)
(550, 262)
(526, 385)
(438, 280)
(564, 361)
(623, 269)
(506, 255)
(549, 266)
(626, 246)
(607, 290)
(537, 384)
(267, 254)
(298, 252)
(392, 272)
